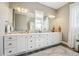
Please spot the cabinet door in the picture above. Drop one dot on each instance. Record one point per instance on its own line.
(57, 37)
(10, 51)
(21, 42)
(31, 47)
(39, 45)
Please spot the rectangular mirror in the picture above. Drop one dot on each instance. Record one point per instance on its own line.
(30, 22)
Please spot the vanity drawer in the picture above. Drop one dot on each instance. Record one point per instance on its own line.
(30, 36)
(39, 45)
(30, 41)
(10, 51)
(31, 47)
(46, 43)
(39, 39)
(8, 38)
(10, 44)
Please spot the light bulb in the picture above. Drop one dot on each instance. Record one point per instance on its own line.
(51, 16)
(18, 9)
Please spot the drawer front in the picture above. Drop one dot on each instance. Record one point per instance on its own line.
(10, 51)
(39, 45)
(10, 44)
(47, 43)
(39, 40)
(30, 41)
(8, 38)
(31, 47)
(30, 36)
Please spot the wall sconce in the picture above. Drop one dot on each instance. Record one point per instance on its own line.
(51, 16)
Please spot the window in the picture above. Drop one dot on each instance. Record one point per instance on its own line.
(41, 22)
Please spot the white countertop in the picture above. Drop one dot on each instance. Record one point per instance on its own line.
(30, 33)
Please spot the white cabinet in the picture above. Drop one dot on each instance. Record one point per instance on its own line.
(15, 44)
(31, 47)
(39, 45)
(10, 51)
(57, 37)
(10, 45)
(21, 43)
(31, 42)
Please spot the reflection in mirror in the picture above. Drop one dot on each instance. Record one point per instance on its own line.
(20, 21)
(36, 21)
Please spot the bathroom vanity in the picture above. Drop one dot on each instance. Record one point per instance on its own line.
(14, 44)
(35, 23)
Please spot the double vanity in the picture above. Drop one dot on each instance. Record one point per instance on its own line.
(14, 44)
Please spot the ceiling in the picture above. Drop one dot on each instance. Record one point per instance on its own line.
(54, 5)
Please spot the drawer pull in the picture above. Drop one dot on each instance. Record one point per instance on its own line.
(31, 47)
(77, 40)
(47, 43)
(10, 38)
(31, 41)
(10, 51)
(39, 39)
(39, 45)
(10, 43)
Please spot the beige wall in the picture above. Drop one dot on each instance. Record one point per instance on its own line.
(62, 19)
(4, 10)
(32, 6)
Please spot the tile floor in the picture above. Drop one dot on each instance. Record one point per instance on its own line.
(56, 51)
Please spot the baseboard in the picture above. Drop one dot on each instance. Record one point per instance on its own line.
(65, 43)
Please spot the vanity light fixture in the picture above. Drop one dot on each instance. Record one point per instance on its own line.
(18, 9)
(22, 10)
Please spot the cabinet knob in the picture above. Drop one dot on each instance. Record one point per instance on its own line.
(10, 43)
(10, 51)
(77, 40)
(31, 41)
(10, 37)
(39, 45)
(39, 39)
(31, 46)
